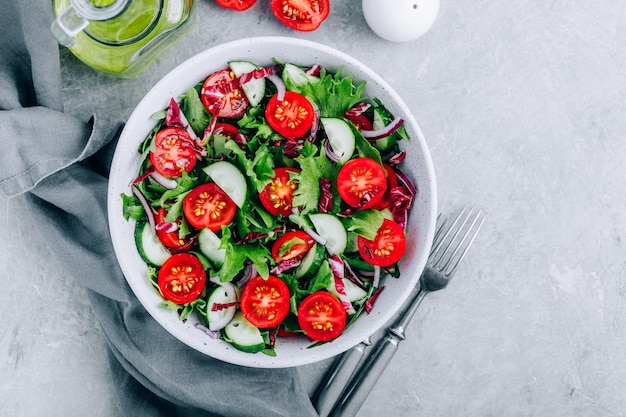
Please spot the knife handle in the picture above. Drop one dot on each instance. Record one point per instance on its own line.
(361, 385)
(338, 377)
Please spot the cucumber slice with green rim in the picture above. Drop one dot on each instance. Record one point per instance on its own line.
(382, 119)
(228, 177)
(243, 335)
(219, 317)
(294, 77)
(340, 136)
(330, 228)
(149, 246)
(209, 244)
(254, 89)
(311, 262)
(353, 291)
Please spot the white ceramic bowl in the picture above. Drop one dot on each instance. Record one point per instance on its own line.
(418, 165)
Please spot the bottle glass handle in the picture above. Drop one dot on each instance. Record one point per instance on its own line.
(67, 26)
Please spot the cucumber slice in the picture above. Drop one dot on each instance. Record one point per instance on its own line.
(353, 245)
(254, 89)
(149, 246)
(381, 119)
(353, 291)
(340, 136)
(330, 228)
(228, 177)
(224, 293)
(294, 77)
(311, 262)
(243, 335)
(209, 245)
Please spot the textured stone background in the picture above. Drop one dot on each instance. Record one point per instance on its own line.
(523, 104)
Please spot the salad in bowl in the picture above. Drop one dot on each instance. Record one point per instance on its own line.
(269, 205)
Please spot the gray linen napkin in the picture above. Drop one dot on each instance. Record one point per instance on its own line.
(59, 164)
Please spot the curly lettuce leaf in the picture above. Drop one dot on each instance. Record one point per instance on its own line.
(334, 94)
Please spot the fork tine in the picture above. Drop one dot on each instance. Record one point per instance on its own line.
(458, 242)
(437, 253)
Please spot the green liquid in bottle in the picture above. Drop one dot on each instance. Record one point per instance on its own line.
(126, 44)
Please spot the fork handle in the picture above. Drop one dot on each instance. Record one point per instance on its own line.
(362, 384)
(338, 377)
(367, 376)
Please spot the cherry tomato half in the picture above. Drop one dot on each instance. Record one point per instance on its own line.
(361, 182)
(181, 279)
(302, 15)
(321, 316)
(277, 196)
(292, 117)
(392, 182)
(387, 247)
(361, 122)
(174, 151)
(171, 239)
(265, 302)
(292, 245)
(238, 5)
(232, 104)
(208, 206)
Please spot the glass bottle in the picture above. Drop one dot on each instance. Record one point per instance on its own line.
(120, 37)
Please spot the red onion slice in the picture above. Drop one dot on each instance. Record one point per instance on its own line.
(168, 183)
(143, 176)
(315, 236)
(376, 279)
(385, 131)
(329, 152)
(314, 126)
(249, 272)
(146, 206)
(407, 182)
(207, 331)
(280, 86)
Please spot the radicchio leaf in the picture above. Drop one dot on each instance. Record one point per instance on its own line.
(326, 196)
(337, 266)
(369, 304)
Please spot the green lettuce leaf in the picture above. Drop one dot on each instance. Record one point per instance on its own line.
(334, 94)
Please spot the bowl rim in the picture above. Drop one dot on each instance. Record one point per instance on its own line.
(171, 86)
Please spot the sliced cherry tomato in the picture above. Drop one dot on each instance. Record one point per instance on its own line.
(361, 122)
(292, 117)
(292, 245)
(227, 130)
(265, 302)
(208, 206)
(277, 196)
(387, 247)
(174, 151)
(321, 316)
(238, 5)
(171, 239)
(361, 182)
(302, 15)
(181, 279)
(392, 182)
(230, 105)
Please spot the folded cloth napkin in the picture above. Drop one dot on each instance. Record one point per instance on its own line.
(59, 165)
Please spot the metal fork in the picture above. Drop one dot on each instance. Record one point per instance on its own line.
(450, 245)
